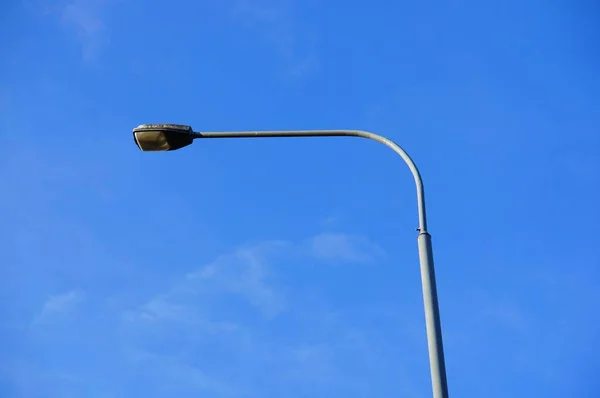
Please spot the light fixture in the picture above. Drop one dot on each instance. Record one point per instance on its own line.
(162, 137)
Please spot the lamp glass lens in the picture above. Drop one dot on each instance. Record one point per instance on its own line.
(152, 141)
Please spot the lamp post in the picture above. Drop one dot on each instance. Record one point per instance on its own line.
(168, 137)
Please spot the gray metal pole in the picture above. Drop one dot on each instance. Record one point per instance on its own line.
(432, 313)
(437, 363)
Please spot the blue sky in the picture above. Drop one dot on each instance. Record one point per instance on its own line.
(270, 268)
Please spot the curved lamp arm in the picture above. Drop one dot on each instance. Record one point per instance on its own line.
(339, 133)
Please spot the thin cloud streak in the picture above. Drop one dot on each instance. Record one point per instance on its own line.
(60, 304)
(275, 22)
(85, 19)
(245, 273)
(344, 248)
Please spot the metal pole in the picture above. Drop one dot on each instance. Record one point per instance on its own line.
(432, 313)
(437, 363)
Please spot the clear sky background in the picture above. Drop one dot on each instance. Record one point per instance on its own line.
(288, 268)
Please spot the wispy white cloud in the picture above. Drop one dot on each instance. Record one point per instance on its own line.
(344, 247)
(178, 307)
(160, 309)
(329, 222)
(275, 22)
(60, 304)
(83, 18)
(245, 273)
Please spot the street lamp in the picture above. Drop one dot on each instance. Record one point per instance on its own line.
(168, 137)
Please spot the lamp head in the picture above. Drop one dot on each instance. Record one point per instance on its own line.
(162, 137)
